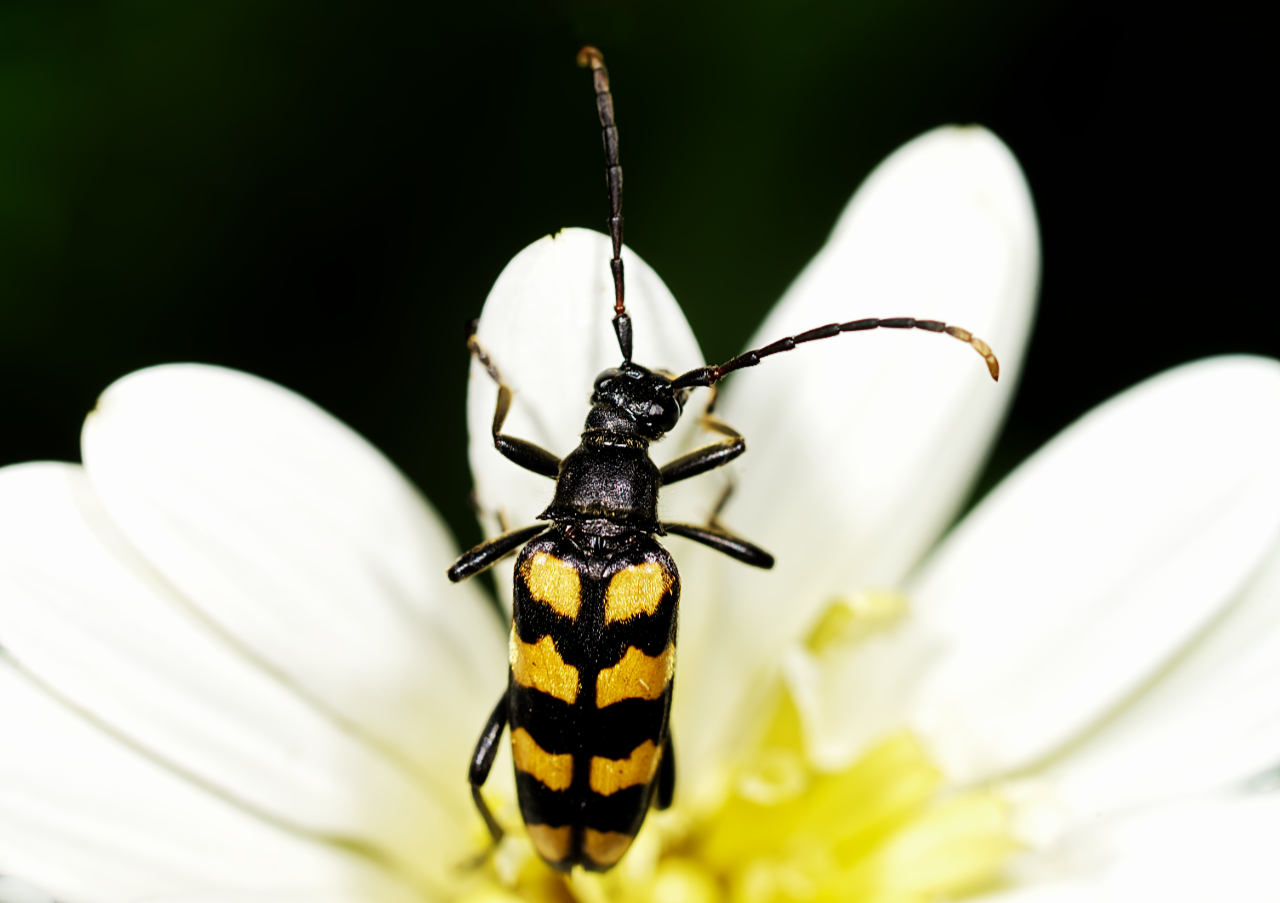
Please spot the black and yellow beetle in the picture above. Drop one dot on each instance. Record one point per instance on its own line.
(593, 633)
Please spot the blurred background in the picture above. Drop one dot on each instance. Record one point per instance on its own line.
(323, 192)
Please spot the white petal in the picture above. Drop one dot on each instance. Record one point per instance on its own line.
(1213, 719)
(1211, 850)
(1220, 848)
(12, 890)
(91, 819)
(84, 614)
(299, 540)
(1096, 563)
(1057, 892)
(547, 326)
(861, 447)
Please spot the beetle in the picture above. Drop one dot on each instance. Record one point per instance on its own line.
(593, 633)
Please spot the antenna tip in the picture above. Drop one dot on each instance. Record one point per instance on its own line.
(987, 355)
(979, 346)
(588, 55)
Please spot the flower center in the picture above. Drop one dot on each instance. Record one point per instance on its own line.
(885, 829)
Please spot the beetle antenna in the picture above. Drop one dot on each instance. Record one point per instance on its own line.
(590, 56)
(709, 376)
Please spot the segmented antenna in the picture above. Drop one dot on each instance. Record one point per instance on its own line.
(590, 56)
(709, 376)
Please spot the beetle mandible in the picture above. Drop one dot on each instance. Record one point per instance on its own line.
(593, 634)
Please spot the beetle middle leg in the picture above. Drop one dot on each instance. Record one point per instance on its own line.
(519, 451)
(482, 763)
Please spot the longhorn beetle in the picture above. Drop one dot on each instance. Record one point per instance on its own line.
(593, 629)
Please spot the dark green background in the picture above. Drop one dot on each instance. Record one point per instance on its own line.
(323, 192)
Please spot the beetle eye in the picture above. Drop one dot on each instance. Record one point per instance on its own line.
(605, 378)
(665, 415)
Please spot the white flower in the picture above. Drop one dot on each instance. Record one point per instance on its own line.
(234, 670)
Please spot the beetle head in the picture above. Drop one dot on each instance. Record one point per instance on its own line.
(634, 399)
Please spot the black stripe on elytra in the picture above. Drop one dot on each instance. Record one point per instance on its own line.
(599, 647)
(622, 811)
(552, 722)
(618, 729)
(612, 732)
(539, 804)
(587, 642)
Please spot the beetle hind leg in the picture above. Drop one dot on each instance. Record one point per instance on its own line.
(482, 763)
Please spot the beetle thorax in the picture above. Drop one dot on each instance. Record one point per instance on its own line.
(609, 478)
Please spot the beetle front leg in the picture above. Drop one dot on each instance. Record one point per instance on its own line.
(519, 451)
(482, 763)
(700, 460)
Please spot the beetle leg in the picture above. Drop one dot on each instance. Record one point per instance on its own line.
(709, 457)
(482, 762)
(490, 552)
(713, 534)
(700, 460)
(713, 520)
(666, 776)
(473, 502)
(722, 540)
(519, 451)
(709, 421)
